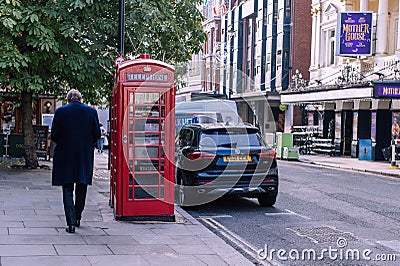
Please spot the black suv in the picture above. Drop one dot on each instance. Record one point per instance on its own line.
(217, 159)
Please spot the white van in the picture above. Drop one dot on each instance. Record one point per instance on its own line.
(205, 111)
(226, 108)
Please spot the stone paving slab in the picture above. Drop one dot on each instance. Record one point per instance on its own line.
(33, 224)
(192, 249)
(212, 260)
(40, 240)
(11, 224)
(82, 250)
(234, 259)
(120, 260)
(33, 231)
(153, 239)
(187, 239)
(26, 250)
(4, 231)
(109, 240)
(141, 249)
(174, 259)
(46, 261)
(25, 217)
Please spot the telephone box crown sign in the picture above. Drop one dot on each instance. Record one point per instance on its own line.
(147, 69)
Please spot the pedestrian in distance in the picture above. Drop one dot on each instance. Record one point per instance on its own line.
(75, 130)
(100, 143)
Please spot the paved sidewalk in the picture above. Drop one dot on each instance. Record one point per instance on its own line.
(343, 162)
(32, 228)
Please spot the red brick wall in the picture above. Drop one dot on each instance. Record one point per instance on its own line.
(301, 37)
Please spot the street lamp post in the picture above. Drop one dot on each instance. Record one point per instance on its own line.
(121, 27)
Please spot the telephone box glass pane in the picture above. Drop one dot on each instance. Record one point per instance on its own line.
(130, 138)
(130, 111)
(148, 139)
(162, 111)
(162, 166)
(146, 179)
(147, 125)
(145, 112)
(146, 152)
(146, 166)
(147, 97)
(146, 193)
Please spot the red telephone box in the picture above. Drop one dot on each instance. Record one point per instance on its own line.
(142, 140)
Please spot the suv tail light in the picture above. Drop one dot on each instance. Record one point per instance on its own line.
(198, 155)
(271, 154)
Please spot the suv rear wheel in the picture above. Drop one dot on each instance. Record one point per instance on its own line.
(267, 200)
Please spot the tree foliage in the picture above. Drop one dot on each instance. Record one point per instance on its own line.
(170, 31)
(51, 46)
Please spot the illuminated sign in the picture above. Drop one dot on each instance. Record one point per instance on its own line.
(387, 89)
(354, 34)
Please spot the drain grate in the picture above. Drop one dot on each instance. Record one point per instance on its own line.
(323, 234)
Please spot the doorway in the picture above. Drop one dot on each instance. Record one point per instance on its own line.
(347, 131)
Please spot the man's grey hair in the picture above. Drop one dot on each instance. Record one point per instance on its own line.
(74, 96)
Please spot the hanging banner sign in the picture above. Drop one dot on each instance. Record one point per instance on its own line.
(354, 34)
(387, 89)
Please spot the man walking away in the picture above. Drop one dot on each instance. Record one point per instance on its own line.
(75, 130)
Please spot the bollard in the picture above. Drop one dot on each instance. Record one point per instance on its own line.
(393, 163)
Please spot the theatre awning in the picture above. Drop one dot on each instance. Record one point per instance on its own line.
(311, 96)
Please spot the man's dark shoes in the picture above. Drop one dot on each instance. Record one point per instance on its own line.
(70, 229)
(78, 223)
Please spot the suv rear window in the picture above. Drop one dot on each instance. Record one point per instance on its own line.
(231, 138)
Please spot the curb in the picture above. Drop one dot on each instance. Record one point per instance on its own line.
(353, 169)
(187, 216)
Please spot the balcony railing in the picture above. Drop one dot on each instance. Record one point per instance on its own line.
(352, 73)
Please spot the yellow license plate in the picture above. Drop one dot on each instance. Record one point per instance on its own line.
(237, 158)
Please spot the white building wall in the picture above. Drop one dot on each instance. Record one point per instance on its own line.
(325, 20)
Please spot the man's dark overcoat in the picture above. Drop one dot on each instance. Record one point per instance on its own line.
(75, 130)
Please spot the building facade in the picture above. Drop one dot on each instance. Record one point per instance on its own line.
(253, 50)
(358, 93)
(263, 42)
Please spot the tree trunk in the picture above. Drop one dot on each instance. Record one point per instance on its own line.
(31, 159)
